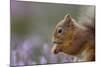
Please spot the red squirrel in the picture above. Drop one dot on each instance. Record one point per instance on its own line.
(75, 39)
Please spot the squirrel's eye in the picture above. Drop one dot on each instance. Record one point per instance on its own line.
(60, 30)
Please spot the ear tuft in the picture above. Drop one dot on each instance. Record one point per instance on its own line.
(67, 17)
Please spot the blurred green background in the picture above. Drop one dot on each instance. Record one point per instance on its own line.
(32, 24)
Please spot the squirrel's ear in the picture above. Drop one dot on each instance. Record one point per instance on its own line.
(67, 18)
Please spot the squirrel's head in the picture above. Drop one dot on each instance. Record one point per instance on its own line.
(62, 36)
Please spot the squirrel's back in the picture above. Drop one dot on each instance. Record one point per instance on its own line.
(87, 18)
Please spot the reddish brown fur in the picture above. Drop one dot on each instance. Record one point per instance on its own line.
(71, 38)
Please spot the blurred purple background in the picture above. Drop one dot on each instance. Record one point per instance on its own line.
(32, 24)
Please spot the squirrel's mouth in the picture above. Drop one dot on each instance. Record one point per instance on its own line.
(56, 49)
(57, 42)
